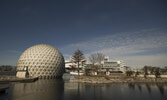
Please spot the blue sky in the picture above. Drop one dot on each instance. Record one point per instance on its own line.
(131, 30)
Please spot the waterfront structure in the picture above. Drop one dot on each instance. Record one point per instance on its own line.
(43, 61)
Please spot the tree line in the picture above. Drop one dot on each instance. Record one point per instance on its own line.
(149, 70)
(7, 68)
(95, 59)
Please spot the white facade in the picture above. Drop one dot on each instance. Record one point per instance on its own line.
(69, 64)
(113, 65)
(42, 61)
(21, 74)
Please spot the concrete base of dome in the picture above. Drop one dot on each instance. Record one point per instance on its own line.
(22, 74)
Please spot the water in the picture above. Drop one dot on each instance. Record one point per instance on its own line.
(64, 90)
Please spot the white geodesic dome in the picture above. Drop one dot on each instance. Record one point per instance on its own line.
(42, 61)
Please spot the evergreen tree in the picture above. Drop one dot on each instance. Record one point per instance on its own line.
(77, 57)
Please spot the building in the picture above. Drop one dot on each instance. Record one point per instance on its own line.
(112, 65)
(41, 60)
(107, 66)
(70, 65)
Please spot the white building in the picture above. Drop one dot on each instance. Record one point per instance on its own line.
(106, 66)
(112, 65)
(69, 64)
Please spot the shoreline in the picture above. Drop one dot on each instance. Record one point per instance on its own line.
(15, 79)
(107, 79)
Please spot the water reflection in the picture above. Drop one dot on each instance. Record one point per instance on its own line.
(160, 86)
(148, 88)
(40, 90)
(131, 86)
(82, 91)
(64, 90)
(139, 87)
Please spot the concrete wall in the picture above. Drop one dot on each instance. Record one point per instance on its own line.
(21, 74)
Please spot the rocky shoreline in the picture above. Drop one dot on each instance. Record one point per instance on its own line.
(107, 79)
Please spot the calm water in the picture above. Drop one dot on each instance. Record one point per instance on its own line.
(63, 90)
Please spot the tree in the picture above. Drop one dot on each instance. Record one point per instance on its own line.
(93, 58)
(165, 69)
(100, 57)
(145, 71)
(129, 73)
(157, 73)
(137, 73)
(77, 57)
(96, 58)
(7, 68)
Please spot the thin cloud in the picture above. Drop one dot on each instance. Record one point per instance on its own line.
(148, 42)
(150, 60)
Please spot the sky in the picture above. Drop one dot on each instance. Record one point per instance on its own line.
(134, 31)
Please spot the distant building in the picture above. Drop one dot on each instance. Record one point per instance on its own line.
(107, 66)
(112, 65)
(70, 65)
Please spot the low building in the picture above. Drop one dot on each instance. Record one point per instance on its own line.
(71, 66)
(113, 65)
(107, 66)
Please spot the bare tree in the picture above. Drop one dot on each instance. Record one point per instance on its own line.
(77, 57)
(93, 58)
(100, 57)
(96, 58)
(145, 68)
(157, 72)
